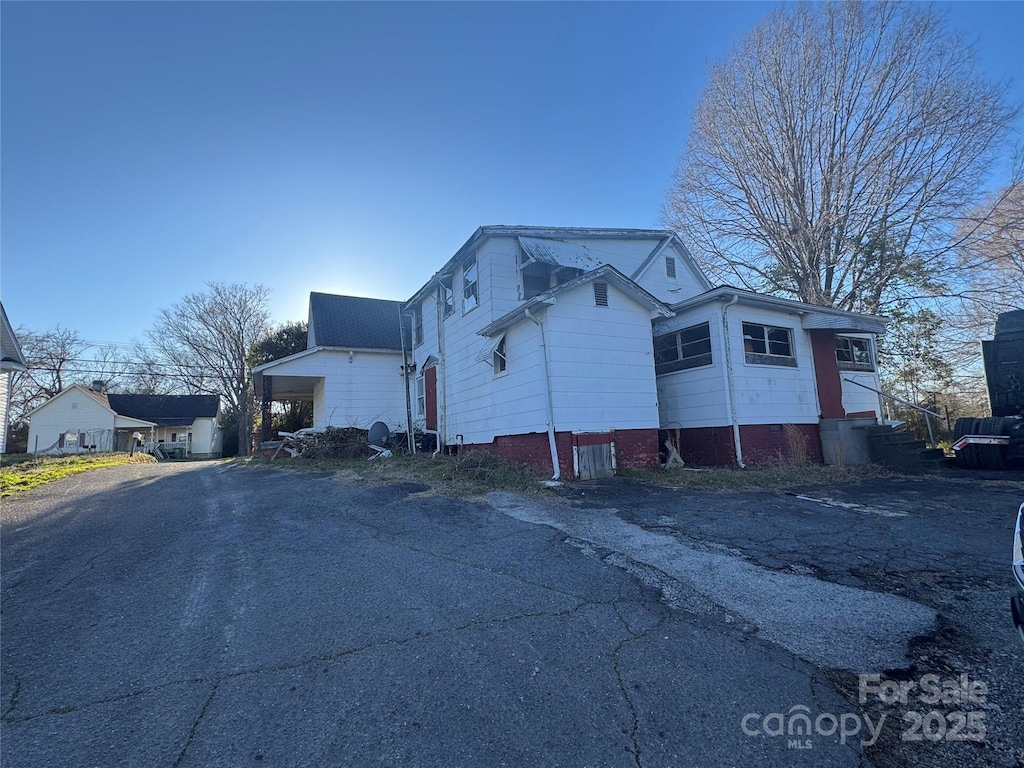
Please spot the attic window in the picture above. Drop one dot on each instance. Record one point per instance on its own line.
(670, 268)
(600, 294)
(500, 361)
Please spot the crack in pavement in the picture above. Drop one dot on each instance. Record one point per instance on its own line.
(634, 732)
(195, 726)
(286, 667)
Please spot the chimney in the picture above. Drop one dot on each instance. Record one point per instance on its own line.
(98, 385)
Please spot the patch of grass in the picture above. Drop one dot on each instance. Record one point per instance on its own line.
(766, 478)
(21, 474)
(464, 475)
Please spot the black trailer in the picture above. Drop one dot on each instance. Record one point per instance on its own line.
(997, 441)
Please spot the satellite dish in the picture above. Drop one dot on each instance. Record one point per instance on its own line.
(379, 434)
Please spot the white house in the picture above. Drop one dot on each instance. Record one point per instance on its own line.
(564, 347)
(351, 369)
(579, 350)
(81, 419)
(11, 360)
(185, 425)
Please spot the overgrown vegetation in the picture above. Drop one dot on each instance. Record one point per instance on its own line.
(22, 472)
(466, 474)
(767, 478)
(477, 472)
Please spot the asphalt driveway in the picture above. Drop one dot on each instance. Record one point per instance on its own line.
(204, 614)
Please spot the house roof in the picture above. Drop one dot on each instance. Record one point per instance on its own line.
(560, 253)
(538, 235)
(607, 273)
(354, 322)
(11, 355)
(101, 399)
(812, 316)
(165, 410)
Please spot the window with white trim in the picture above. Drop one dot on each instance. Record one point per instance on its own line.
(768, 345)
(417, 325)
(447, 296)
(854, 354)
(499, 359)
(421, 396)
(470, 286)
(679, 350)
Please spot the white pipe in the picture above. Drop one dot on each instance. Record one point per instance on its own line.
(547, 392)
(730, 389)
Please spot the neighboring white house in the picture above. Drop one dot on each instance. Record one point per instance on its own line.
(351, 369)
(11, 360)
(81, 419)
(187, 425)
(581, 349)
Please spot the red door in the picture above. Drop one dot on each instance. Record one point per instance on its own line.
(430, 395)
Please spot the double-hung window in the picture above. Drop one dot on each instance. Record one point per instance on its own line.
(421, 396)
(768, 345)
(688, 348)
(470, 286)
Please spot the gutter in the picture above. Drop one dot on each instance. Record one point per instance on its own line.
(730, 390)
(547, 397)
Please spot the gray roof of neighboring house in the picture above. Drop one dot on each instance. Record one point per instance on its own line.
(165, 410)
(353, 322)
(10, 349)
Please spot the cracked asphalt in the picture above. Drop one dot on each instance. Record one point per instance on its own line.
(205, 614)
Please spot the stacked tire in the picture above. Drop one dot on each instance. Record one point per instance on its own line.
(982, 456)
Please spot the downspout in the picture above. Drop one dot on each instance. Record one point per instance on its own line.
(410, 435)
(442, 381)
(730, 390)
(547, 397)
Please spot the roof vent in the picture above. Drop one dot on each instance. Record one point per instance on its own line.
(601, 294)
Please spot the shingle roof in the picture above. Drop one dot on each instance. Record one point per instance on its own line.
(165, 410)
(352, 322)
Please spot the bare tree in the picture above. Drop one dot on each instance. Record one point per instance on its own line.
(55, 360)
(832, 152)
(204, 340)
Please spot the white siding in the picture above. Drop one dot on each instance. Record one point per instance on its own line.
(695, 397)
(5, 407)
(773, 394)
(655, 279)
(71, 411)
(857, 399)
(601, 362)
(352, 391)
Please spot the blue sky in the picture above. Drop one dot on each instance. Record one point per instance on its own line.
(339, 147)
